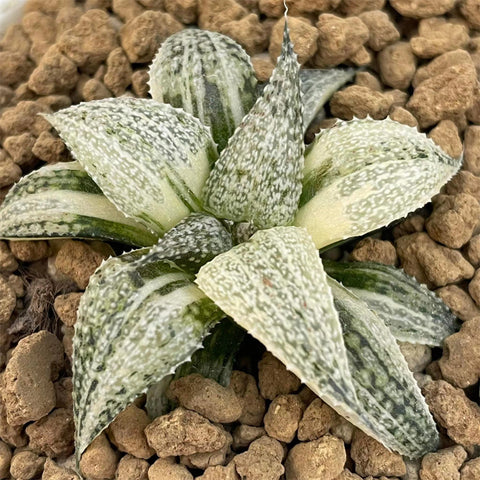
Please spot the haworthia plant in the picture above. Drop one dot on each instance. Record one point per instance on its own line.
(411, 311)
(390, 405)
(362, 174)
(138, 321)
(150, 159)
(258, 176)
(208, 75)
(142, 315)
(61, 200)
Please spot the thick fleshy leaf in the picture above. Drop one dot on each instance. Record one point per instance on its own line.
(214, 360)
(195, 241)
(363, 174)
(62, 201)
(412, 312)
(318, 85)
(208, 75)
(150, 159)
(137, 322)
(274, 286)
(258, 175)
(391, 406)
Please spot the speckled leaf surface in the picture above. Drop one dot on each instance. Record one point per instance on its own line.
(274, 286)
(137, 322)
(412, 312)
(363, 174)
(195, 241)
(318, 85)
(391, 407)
(208, 75)
(62, 201)
(150, 159)
(258, 175)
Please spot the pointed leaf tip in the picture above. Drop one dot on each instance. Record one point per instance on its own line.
(258, 176)
(364, 174)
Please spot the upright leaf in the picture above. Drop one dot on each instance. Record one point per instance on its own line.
(150, 159)
(62, 201)
(195, 241)
(318, 85)
(363, 174)
(391, 407)
(137, 322)
(275, 287)
(208, 75)
(258, 176)
(411, 311)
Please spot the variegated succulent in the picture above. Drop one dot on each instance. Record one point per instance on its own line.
(189, 176)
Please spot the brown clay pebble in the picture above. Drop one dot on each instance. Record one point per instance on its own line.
(131, 468)
(253, 404)
(183, 432)
(53, 471)
(430, 262)
(262, 460)
(212, 14)
(99, 461)
(471, 11)
(460, 363)
(454, 411)
(471, 470)
(127, 9)
(422, 8)
(244, 435)
(185, 11)
(8, 300)
(26, 465)
(339, 38)
(29, 393)
(19, 147)
(401, 115)
(446, 136)
(140, 83)
(374, 250)
(220, 473)
(359, 102)
(274, 379)
(66, 307)
(78, 261)
(49, 148)
(126, 432)
(142, 36)
(464, 182)
(397, 65)
(443, 464)
(283, 416)
(367, 79)
(5, 457)
(166, 468)
(119, 72)
(471, 161)
(207, 397)
(459, 301)
(10, 173)
(24, 118)
(94, 89)
(316, 421)
(248, 32)
(263, 67)
(453, 220)
(53, 435)
(29, 251)
(323, 458)
(372, 458)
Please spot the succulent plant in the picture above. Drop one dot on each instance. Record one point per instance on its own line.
(212, 180)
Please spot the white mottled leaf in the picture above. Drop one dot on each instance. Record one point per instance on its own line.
(274, 286)
(62, 201)
(318, 85)
(258, 175)
(137, 322)
(391, 407)
(193, 242)
(363, 174)
(150, 159)
(208, 75)
(412, 312)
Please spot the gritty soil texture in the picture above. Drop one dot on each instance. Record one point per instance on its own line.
(422, 60)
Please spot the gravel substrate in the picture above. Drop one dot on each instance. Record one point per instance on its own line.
(422, 60)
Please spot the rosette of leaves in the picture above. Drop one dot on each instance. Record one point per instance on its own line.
(188, 176)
